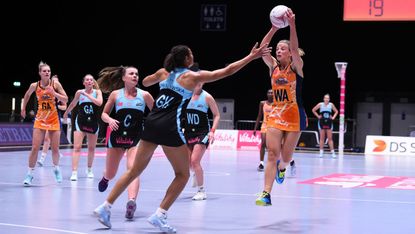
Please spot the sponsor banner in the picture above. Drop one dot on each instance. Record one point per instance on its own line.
(16, 134)
(390, 145)
(225, 139)
(247, 140)
(364, 181)
(20, 134)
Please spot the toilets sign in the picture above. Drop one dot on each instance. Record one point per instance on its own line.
(213, 17)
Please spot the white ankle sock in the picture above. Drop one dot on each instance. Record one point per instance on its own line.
(30, 171)
(107, 204)
(160, 212)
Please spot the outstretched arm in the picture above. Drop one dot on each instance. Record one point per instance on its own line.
(268, 59)
(210, 76)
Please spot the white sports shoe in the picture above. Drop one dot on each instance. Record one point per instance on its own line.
(161, 223)
(28, 180)
(293, 170)
(89, 173)
(74, 176)
(58, 175)
(200, 195)
(104, 215)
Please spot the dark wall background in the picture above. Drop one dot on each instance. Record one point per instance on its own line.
(76, 38)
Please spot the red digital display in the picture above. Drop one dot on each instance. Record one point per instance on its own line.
(379, 10)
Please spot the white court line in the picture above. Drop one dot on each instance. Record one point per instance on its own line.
(296, 197)
(40, 228)
(257, 194)
(216, 173)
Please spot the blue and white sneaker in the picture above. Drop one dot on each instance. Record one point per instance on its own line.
(280, 176)
(104, 215)
(161, 223)
(28, 180)
(264, 199)
(58, 175)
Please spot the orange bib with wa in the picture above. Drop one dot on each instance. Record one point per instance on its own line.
(285, 113)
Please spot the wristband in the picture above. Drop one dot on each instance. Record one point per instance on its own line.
(212, 130)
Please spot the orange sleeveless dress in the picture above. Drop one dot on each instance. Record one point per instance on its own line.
(266, 109)
(287, 113)
(47, 117)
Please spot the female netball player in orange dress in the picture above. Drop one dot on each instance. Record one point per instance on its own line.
(47, 119)
(287, 118)
(265, 108)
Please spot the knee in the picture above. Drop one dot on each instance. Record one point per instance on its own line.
(272, 155)
(195, 163)
(185, 175)
(35, 148)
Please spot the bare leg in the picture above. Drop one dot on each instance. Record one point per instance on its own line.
(77, 146)
(197, 154)
(46, 145)
(322, 140)
(263, 147)
(330, 141)
(180, 163)
(92, 143)
(112, 162)
(54, 143)
(135, 184)
(274, 140)
(143, 156)
(38, 138)
(288, 147)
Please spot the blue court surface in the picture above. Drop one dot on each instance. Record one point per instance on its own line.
(350, 194)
